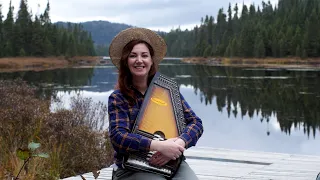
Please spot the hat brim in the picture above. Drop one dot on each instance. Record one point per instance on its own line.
(124, 37)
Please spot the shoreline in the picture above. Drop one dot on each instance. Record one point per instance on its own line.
(256, 62)
(14, 64)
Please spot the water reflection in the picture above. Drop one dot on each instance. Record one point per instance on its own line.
(247, 133)
(254, 109)
(292, 96)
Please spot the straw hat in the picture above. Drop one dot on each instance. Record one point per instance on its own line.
(120, 40)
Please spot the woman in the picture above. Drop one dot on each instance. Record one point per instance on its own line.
(137, 52)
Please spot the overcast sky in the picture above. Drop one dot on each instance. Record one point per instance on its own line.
(155, 14)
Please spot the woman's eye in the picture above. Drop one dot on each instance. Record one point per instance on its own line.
(132, 56)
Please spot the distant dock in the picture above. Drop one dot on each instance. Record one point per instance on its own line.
(226, 164)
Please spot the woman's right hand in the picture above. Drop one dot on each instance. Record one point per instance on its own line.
(168, 148)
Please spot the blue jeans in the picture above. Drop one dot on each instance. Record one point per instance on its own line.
(184, 173)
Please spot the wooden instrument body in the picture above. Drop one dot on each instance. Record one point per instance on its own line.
(160, 118)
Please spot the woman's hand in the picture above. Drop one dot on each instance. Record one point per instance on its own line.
(159, 159)
(180, 142)
(168, 148)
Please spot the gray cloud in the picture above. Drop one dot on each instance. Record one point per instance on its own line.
(143, 13)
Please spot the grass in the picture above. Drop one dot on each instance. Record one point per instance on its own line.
(72, 137)
(10, 64)
(255, 62)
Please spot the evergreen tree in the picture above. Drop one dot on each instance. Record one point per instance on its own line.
(22, 29)
(8, 26)
(1, 34)
(288, 30)
(259, 50)
(37, 34)
(28, 36)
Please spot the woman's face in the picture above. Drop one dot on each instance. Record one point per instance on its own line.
(139, 61)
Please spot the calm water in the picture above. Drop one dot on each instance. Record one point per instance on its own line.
(241, 108)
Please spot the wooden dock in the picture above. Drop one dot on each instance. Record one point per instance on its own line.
(223, 164)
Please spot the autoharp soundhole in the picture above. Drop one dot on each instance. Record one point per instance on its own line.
(159, 134)
(159, 115)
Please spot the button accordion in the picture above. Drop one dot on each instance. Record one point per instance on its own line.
(160, 118)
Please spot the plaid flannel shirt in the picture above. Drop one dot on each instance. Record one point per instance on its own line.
(122, 117)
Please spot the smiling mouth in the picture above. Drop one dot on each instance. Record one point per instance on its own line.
(139, 67)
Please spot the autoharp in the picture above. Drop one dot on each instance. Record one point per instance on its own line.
(160, 118)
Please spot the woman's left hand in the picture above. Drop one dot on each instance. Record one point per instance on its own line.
(159, 159)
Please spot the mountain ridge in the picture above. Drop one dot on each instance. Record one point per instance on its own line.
(102, 31)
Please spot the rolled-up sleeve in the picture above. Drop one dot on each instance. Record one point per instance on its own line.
(119, 128)
(194, 127)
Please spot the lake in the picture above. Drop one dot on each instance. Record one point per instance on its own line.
(274, 110)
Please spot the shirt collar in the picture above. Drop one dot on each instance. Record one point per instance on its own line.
(136, 91)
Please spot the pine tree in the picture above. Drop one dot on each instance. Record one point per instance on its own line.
(259, 50)
(286, 30)
(233, 48)
(37, 36)
(23, 31)
(8, 27)
(1, 34)
(72, 49)
(298, 52)
(37, 46)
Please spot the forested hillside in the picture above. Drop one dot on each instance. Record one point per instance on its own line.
(289, 29)
(35, 35)
(102, 33)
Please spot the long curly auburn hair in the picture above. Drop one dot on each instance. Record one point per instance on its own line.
(125, 77)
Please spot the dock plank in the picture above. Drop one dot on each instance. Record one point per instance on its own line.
(238, 155)
(228, 164)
